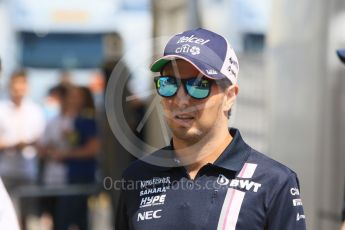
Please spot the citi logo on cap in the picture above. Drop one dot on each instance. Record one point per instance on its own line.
(194, 50)
(192, 39)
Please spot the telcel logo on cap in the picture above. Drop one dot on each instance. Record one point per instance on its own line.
(193, 39)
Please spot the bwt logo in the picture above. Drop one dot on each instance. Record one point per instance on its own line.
(149, 215)
(237, 183)
(222, 180)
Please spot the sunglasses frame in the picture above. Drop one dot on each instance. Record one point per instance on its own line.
(183, 82)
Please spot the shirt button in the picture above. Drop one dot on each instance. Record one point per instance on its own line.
(177, 161)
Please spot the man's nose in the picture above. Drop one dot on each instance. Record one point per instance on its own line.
(181, 98)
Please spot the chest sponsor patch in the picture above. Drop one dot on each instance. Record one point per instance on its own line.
(153, 190)
(244, 184)
(149, 215)
(152, 201)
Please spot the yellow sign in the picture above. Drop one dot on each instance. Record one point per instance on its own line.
(68, 16)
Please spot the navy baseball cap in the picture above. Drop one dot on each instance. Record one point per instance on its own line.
(207, 51)
(341, 54)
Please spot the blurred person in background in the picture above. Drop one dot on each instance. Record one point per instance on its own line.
(21, 124)
(54, 172)
(115, 158)
(341, 55)
(79, 157)
(8, 218)
(55, 137)
(52, 102)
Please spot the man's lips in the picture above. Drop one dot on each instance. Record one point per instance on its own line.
(184, 119)
(184, 116)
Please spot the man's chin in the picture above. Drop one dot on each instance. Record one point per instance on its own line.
(187, 134)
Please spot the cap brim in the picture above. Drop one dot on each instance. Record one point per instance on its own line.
(200, 66)
(341, 55)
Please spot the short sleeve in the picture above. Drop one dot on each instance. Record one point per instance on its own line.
(286, 208)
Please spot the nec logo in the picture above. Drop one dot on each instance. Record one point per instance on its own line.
(149, 215)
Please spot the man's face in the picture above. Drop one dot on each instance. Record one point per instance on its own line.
(191, 119)
(18, 88)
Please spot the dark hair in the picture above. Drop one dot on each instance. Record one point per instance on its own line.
(224, 84)
(60, 89)
(19, 73)
(88, 102)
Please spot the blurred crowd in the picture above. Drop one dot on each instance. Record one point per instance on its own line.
(57, 148)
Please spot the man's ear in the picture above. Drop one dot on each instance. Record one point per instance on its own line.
(230, 96)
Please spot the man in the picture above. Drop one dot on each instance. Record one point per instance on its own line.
(8, 218)
(21, 124)
(210, 179)
(341, 55)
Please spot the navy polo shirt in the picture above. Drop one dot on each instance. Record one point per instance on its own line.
(243, 189)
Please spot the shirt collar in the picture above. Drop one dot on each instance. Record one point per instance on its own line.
(233, 157)
(235, 154)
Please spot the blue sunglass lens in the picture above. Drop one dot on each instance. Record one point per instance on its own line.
(166, 86)
(198, 88)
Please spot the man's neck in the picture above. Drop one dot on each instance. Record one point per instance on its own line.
(17, 102)
(205, 151)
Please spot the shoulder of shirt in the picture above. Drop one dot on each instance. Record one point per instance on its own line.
(271, 168)
(141, 167)
(30, 104)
